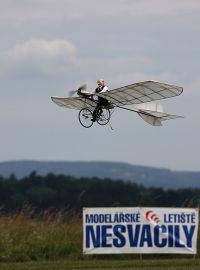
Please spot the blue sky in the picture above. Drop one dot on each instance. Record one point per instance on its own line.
(50, 47)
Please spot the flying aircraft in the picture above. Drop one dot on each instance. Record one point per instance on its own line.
(137, 95)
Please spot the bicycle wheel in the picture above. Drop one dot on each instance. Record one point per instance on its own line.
(102, 116)
(85, 118)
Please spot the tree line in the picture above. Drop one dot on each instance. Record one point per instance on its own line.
(61, 191)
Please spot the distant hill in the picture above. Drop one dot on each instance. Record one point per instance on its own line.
(147, 176)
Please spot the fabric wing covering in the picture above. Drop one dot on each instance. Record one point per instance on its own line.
(141, 92)
(76, 103)
(136, 93)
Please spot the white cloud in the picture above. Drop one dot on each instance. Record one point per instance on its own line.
(38, 56)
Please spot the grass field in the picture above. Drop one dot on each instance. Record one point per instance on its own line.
(159, 264)
(47, 237)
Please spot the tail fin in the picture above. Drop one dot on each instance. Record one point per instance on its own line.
(150, 119)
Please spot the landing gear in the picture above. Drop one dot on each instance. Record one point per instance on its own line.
(102, 115)
(85, 118)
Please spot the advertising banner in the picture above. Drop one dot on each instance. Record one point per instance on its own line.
(140, 230)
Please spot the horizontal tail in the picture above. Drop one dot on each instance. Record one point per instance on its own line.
(155, 118)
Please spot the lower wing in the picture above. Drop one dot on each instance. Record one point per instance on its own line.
(76, 103)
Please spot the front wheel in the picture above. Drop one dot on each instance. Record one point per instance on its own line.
(102, 116)
(85, 118)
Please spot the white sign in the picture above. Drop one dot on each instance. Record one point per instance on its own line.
(140, 230)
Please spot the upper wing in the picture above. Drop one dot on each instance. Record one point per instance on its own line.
(141, 92)
(76, 103)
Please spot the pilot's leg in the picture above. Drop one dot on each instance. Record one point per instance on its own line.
(94, 114)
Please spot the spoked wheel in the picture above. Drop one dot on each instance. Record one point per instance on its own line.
(85, 118)
(102, 116)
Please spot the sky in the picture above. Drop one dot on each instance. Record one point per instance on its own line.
(50, 47)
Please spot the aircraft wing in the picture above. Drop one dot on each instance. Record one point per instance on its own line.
(76, 103)
(141, 92)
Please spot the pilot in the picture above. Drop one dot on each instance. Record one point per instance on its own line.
(100, 101)
(101, 86)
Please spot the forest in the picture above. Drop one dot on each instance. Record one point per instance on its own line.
(67, 192)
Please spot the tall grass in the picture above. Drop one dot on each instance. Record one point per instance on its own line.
(24, 238)
(27, 236)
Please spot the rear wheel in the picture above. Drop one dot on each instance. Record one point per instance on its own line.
(102, 116)
(85, 118)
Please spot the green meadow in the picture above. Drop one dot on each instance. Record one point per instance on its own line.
(135, 264)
